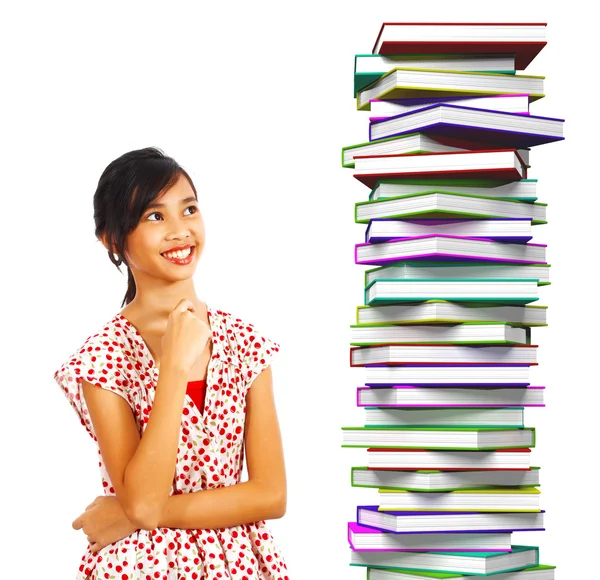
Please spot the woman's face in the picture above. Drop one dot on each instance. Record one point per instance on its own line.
(171, 221)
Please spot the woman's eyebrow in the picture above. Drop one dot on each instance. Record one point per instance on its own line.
(186, 200)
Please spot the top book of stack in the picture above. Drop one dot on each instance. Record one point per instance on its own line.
(525, 40)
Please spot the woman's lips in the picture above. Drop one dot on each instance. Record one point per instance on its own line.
(182, 261)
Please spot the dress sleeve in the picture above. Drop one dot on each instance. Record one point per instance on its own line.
(255, 350)
(98, 361)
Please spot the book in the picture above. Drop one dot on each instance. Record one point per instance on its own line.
(448, 374)
(512, 290)
(466, 333)
(511, 417)
(524, 40)
(521, 190)
(436, 480)
(401, 144)
(444, 246)
(406, 83)
(499, 129)
(426, 521)
(504, 103)
(475, 563)
(525, 499)
(450, 438)
(406, 354)
(445, 205)
(412, 269)
(369, 67)
(541, 572)
(449, 398)
(391, 458)
(444, 312)
(516, 230)
(371, 540)
(500, 164)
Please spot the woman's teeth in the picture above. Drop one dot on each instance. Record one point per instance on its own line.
(180, 254)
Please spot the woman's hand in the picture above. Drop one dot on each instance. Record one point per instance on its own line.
(104, 522)
(185, 337)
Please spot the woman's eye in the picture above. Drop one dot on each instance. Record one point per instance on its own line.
(158, 213)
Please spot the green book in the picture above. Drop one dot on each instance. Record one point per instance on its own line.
(409, 83)
(436, 480)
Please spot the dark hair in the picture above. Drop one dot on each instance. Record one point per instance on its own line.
(125, 188)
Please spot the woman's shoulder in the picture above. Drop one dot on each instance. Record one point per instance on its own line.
(108, 347)
(244, 342)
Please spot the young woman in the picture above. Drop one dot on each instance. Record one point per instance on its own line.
(175, 393)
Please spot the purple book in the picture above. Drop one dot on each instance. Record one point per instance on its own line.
(408, 522)
(444, 247)
(457, 123)
(447, 226)
(451, 396)
(365, 539)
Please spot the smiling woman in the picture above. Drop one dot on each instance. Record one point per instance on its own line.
(171, 455)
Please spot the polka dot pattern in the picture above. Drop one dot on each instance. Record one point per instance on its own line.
(210, 452)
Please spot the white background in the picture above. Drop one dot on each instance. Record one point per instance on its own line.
(255, 101)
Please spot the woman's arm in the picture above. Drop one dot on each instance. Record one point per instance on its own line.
(263, 496)
(140, 469)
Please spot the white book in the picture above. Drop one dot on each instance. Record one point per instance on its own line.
(401, 83)
(472, 397)
(439, 417)
(413, 143)
(440, 438)
(447, 375)
(439, 311)
(501, 164)
(440, 354)
(461, 562)
(435, 480)
(483, 500)
(451, 270)
(460, 333)
(453, 247)
(445, 459)
(541, 572)
(370, 539)
(503, 103)
(381, 63)
(521, 190)
(505, 290)
(498, 229)
(491, 33)
(439, 204)
(537, 128)
(433, 459)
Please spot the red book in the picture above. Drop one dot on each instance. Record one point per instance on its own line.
(525, 40)
(500, 164)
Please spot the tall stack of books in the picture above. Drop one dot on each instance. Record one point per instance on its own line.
(444, 333)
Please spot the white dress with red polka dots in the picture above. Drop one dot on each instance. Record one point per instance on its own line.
(210, 452)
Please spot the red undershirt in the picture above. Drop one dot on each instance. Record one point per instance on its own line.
(197, 391)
